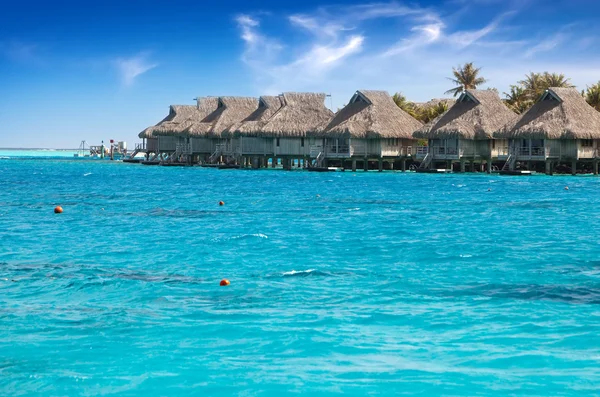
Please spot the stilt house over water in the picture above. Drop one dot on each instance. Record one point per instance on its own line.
(248, 141)
(177, 145)
(370, 127)
(561, 127)
(301, 115)
(465, 133)
(153, 142)
(218, 126)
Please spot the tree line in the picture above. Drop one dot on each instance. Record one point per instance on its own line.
(520, 97)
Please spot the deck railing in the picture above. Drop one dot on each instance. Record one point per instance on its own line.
(140, 146)
(533, 151)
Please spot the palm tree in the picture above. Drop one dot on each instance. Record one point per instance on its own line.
(535, 84)
(556, 80)
(466, 78)
(517, 99)
(428, 113)
(404, 104)
(592, 95)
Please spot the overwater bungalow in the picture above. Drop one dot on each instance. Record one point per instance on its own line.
(248, 139)
(301, 115)
(214, 131)
(465, 133)
(561, 127)
(181, 148)
(152, 140)
(370, 127)
(168, 144)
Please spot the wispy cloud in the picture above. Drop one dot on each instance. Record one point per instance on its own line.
(391, 46)
(545, 45)
(259, 48)
(131, 68)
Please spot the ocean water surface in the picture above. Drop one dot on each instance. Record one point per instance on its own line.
(341, 283)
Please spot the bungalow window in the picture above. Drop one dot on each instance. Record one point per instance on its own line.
(302, 142)
(277, 142)
(587, 142)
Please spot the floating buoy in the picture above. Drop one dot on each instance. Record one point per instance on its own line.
(224, 283)
(221, 203)
(58, 209)
(566, 188)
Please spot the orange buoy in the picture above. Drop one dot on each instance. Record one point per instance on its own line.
(221, 203)
(58, 210)
(224, 283)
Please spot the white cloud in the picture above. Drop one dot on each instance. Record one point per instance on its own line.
(130, 68)
(326, 55)
(395, 47)
(422, 35)
(259, 48)
(547, 44)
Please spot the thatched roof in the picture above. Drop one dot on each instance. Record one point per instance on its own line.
(300, 114)
(228, 113)
(560, 113)
(205, 106)
(477, 114)
(253, 124)
(177, 114)
(372, 114)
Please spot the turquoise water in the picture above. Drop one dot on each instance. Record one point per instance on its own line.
(341, 283)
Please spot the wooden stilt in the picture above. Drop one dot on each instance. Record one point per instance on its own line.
(403, 165)
(574, 167)
(353, 165)
(380, 165)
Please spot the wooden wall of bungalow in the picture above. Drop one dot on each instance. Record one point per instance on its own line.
(560, 127)
(348, 146)
(371, 126)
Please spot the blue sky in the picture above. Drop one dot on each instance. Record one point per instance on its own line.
(93, 70)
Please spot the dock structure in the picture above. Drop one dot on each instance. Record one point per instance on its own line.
(463, 136)
(370, 129)
(211, 137)
(559, 133)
